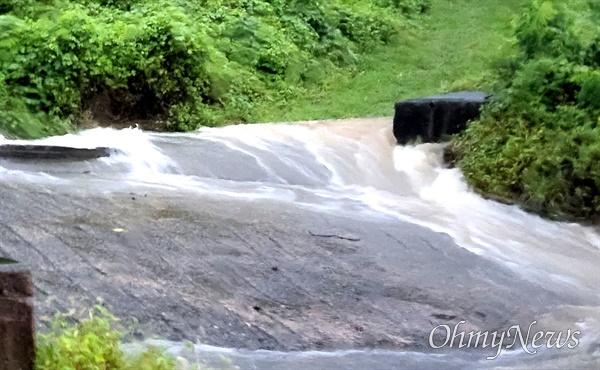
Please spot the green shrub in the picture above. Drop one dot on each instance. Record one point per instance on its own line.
(146, 60)
(20, 6)
(92, 344)
(538, 141)
(16, 120)
(546, 31)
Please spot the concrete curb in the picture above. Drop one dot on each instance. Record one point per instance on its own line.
(52, 152)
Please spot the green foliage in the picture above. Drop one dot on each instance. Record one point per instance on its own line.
(407, 6)
(147, 60)
(92, 344)
(546, 31)
(538, 141)
(7, 6)
(185, 63)
(16, 120)
(153, 358)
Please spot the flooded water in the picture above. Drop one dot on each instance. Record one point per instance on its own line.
(350, 167)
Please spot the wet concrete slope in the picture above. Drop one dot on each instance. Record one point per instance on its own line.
(254, 274)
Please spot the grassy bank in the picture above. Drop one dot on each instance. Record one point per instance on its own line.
(453, 46)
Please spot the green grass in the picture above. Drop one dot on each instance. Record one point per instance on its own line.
(454, 48)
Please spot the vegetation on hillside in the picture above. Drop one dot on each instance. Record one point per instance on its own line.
(538, 142)
(453, 46)
(185, 62)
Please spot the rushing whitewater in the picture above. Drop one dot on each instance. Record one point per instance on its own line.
(350, 167)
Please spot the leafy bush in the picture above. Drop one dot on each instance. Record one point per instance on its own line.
(538, 141)
(92, 345)
(17, 120)
(7, 6)
(145, 61)
(185, 63)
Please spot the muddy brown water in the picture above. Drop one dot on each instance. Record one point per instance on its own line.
(311, 245)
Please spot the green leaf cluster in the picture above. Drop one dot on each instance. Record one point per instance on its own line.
(93, 344)
(184, 63)
(538, 141)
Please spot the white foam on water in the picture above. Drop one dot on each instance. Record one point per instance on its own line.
(363, 166)
(364, 171)
(135, 148)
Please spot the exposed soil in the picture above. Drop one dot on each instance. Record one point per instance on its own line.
(120, 110)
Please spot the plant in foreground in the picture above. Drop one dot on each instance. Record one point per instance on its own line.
(93, 344)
